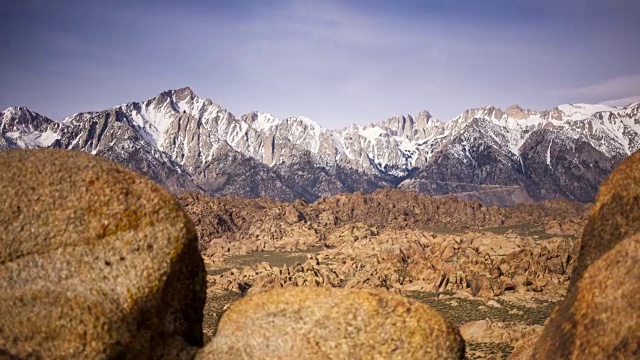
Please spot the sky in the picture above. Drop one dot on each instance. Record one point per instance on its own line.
(338, 62)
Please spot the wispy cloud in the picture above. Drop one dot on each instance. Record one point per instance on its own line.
(612, 90)
(324, 57)
(623, 101)
(337, 62)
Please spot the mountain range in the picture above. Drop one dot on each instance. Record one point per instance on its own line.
(495, 156)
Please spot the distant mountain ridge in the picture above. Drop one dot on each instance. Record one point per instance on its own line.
(185, 142)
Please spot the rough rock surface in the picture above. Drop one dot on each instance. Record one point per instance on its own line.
(238, 225)
(95, 262)
(525, 347)
(330, 323)
(599, 317)
(400, 241)
(482, 264)
(487, 331)
(615, 214)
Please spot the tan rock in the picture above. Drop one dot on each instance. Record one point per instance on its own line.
(327, 323)
(96, 261)
(483, 331)
(447, 253)
(614, 216)
(481, 286)
(553, 228)
(556, 266)
(416, 286)
(599, 317)
(525, 347)
(264, 282)
(506, 284)
(245, 225)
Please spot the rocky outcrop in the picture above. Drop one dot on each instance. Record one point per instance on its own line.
(598, 319)
(501, 196)
(487, 331)
(357, 256)
(95, 262)
(332, 323)
(232, 225)
(394, 208)
(525, 347)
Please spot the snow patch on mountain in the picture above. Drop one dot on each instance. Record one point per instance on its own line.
(265, 122)
(575, 112)
(151, 126)
(549, 154)
(372, 134)
(10, 112)
(305, 131)
(193, 130)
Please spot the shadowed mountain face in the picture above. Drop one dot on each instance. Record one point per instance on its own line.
(498, 157)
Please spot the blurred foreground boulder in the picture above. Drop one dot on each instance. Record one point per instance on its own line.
(96, 262)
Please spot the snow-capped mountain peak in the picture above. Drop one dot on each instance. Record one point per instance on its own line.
(261, 121)
(184, 137)
(12, 111)
(575, 112)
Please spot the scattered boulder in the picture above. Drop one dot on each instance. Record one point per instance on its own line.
(330, 323)
(236, 226)
(485, 331)
(410, 260)
(481, 286)
(553, 228)
(96, 261)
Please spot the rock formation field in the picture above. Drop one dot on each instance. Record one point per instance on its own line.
(97, 261)
(495, 272)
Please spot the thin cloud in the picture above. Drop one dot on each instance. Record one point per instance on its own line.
(623, 101)
(327, 54)
(609, 90)
(336, 62)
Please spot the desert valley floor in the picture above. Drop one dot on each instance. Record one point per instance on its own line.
(497, 273)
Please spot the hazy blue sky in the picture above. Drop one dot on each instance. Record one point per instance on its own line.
(338, 62)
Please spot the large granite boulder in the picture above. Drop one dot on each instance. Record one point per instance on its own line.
(332, 323)
(600, 316)
(614, 216)
(96, 262)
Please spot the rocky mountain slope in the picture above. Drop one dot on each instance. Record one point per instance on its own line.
(185, 142)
